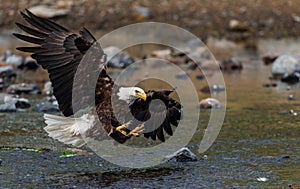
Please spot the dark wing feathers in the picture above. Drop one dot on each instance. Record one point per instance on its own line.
(170, 114)
(30, 39)
(32, 31)
(59, 51)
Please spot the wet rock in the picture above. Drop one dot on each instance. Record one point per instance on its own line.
(296, 18)
(29, 64)
(269, 59)
(0, 162)
(12, 104)
(182, 155)
(116, 58)
(236, 25)
(5, 69)
(172, 55)
(8, 108)
(7, 73)
(231, 64)
(291, 97)
(23, 88)
(285, 64)
(165, 53)
(204, 158)
(291, 78)
(48, 90)
(210, 103)
(49, 11)
(22, 103)
(285, 157)
(14, 60)
(48, 105)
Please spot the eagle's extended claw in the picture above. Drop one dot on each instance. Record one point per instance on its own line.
(122, 128)
(137, 131)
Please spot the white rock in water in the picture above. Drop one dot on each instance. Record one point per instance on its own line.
(262, 179)
(11, 104)
(182, 155)
(285, 64)
(162, 53)
(209, 103)
(48, 11)
(14, 60)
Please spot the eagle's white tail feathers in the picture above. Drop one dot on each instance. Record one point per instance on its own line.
(67, 129)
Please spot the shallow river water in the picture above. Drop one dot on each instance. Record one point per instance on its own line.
(258, 147)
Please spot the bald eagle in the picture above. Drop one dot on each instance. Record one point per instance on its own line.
(60, 51)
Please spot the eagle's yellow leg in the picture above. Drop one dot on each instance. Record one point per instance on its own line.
(137, 131)
(122, 128)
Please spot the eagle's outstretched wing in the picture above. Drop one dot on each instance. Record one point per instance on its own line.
(160, 116)
(59, 51)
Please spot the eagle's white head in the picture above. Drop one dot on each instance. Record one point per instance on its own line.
(131, 93)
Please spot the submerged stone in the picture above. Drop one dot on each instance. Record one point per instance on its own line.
(182, 155)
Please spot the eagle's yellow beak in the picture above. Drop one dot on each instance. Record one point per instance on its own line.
(142, 95)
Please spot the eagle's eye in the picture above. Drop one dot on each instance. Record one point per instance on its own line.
(136, 91)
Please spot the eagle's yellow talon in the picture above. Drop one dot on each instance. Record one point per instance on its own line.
(137, 131)
(123, 127)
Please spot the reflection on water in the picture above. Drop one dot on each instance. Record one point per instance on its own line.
(255, 142)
